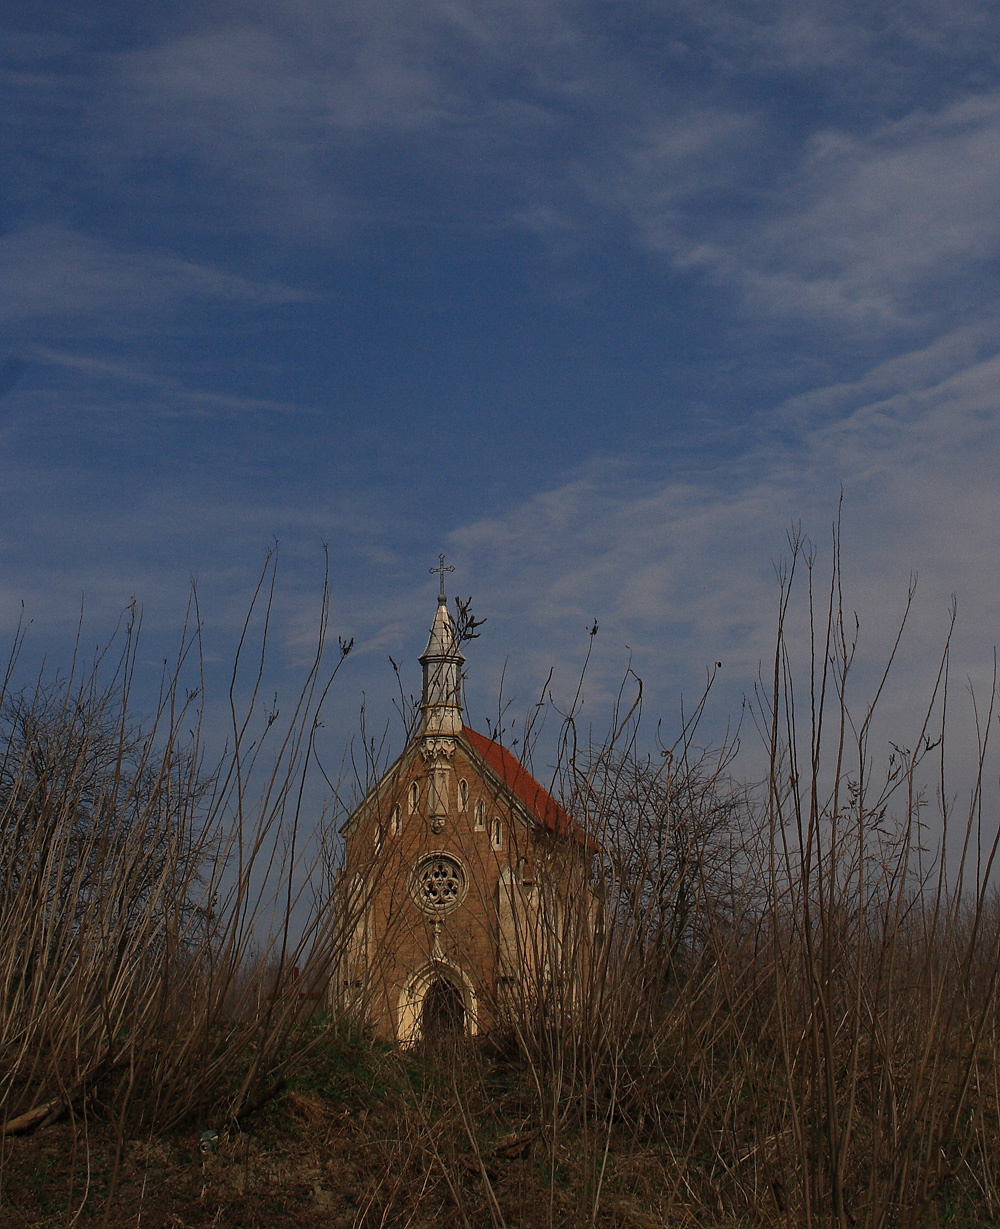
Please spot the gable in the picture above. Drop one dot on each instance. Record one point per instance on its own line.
(530, 793)
(496, 763)
(383, 788)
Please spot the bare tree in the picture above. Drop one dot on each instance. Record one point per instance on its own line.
(83, 790)
(675, 832)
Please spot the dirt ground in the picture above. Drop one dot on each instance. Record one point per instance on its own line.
(304, 1163)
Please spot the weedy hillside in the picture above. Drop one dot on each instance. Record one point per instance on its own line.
(789, 1015)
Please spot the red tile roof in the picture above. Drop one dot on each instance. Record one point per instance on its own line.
(535, 797)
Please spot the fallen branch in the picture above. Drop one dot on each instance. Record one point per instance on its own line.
(33, 1118)
(51, 1111)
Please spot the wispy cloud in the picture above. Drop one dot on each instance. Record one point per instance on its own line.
(872, 223)
(827, 168)
(283, 105)
(851, 45)
(855, 234)
(52, 271)
(681, 569)
(165, 393)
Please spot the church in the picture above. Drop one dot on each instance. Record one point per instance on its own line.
(465, 888)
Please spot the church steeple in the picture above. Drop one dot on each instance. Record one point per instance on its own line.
(441, 700)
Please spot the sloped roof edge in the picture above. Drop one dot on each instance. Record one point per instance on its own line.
(382, 786)
(509, 771)
(520, 782)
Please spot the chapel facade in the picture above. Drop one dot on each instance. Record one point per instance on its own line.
(465, 885)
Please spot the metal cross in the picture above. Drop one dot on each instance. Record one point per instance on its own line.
(441, 569)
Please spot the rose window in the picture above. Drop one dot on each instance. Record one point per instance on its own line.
(439, 883)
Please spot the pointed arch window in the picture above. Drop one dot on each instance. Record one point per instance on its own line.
(379, 838)
(463, 795)
(496, 833)
(480, 816)
(414, 797)
(395, 821)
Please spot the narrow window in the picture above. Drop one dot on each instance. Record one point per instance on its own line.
(480, 816)
(395, 822)
(414, 796)
(496, 834)
(463, 795)
(379, 837)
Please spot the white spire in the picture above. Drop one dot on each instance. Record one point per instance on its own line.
(441, 702)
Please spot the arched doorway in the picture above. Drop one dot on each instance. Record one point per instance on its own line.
(443, 1013)
(437, 999)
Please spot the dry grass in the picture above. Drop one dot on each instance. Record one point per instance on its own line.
(787, 1015)
(790, 1014)
(149, 902)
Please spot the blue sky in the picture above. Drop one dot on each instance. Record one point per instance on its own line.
(597, 298)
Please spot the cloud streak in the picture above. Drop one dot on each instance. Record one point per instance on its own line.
(52, 271)
(424, 220)
(681, 569)
(856, 234)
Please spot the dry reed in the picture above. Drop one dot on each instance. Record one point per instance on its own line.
(784, 1009)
